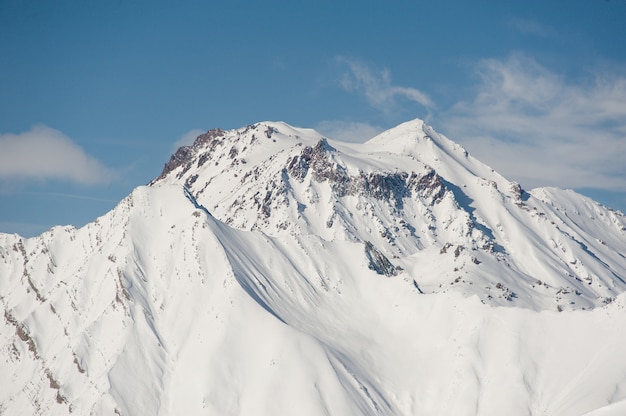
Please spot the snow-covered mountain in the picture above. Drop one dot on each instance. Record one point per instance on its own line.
(271, 271)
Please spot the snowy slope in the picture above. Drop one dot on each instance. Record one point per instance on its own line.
(448, 220)
(270, 272)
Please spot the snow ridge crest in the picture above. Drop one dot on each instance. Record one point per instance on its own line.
(409, 192)
(395, 277)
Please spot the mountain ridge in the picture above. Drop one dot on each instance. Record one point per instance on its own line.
(328, 182)
(270, 270)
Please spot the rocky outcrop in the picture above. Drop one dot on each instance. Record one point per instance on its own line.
(378, 262)
(391, 186)
(185, 155)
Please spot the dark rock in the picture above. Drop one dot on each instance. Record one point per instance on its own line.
(429, 185)
(185, 154)
(378, 262)
(388, 186)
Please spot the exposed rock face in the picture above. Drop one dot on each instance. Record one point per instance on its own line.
(393, 186)
(318, 160)
(254, 265)
(186, 154)
(429, 185)
(378, 262)
(411, 193)
(182, 156)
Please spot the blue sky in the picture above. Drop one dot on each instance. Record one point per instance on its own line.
(95, 95)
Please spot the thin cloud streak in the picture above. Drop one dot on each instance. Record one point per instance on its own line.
(533, 126)
(532, 27)
(377, 88)
(348, 131)
(188, 138)
(44, 153)
(71, 196)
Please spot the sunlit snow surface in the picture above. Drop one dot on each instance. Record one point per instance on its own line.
(238, 283)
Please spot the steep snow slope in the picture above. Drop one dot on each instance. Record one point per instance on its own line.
(298, 276)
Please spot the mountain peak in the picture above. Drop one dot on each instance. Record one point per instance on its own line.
(394, 277)
(408, 192)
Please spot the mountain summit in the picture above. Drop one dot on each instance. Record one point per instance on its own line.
(270, 270)
(419, 201)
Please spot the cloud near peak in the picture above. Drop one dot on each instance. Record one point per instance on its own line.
(533, 125)
(348, 131)
(187, 138)
(44, 153)
(530, 123)
(377, 87)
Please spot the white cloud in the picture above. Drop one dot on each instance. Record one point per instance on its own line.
(377, 87)
(348, 131)
(534, 126)
(188, 138)
(44, 153)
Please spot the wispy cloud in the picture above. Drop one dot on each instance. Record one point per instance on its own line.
(45, 153)
(532, 27)
(188, 138)
(64, 195)
(535, 126)
(348, 131)
(377, 88)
